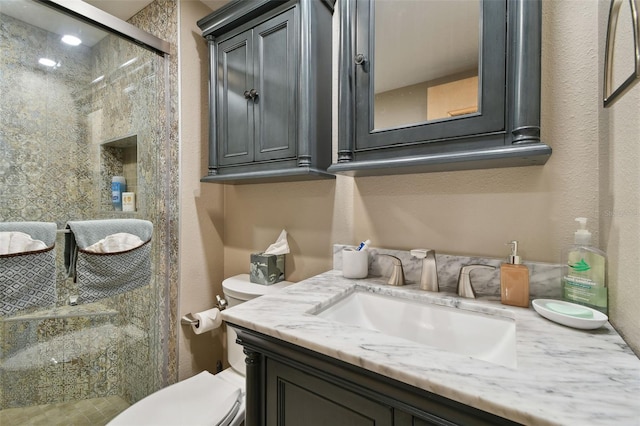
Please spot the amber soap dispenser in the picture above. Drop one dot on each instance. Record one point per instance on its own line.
(514, 280)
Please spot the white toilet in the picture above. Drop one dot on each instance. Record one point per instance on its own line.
(204, 399)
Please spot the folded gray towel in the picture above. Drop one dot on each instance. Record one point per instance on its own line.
(101, 275)
(28, 280)
(88, 232)
(43, 231)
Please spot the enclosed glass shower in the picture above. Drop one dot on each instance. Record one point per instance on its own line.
(71, 118)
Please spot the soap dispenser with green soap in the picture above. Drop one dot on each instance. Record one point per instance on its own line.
(584, 275)
(514, 280)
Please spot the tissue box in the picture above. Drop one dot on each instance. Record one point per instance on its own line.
(266, 269)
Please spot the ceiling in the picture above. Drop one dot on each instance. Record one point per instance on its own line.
(123, 9)
(41, 16)
(413, 38)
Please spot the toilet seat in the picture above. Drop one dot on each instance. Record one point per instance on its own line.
(203, 399)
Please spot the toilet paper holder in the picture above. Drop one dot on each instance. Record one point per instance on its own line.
(189, 319)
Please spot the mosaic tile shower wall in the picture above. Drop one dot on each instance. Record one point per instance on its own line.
(44, 169)
(160, 18)
(56, 167)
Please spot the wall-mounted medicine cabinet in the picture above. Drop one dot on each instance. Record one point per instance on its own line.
(438, 86)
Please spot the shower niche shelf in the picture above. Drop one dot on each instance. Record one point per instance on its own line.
(119, 157)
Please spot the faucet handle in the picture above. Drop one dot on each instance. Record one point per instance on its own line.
(419, 253)
(465, 289)
(397, 275)
(429, 274)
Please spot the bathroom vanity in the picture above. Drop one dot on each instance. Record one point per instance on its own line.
(306, 368)
(293, 386)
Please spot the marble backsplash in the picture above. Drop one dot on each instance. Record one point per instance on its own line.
(544, 278)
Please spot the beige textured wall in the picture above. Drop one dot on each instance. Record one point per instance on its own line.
(620, 215)
(201, 206)
(620, 204)
(471, 212)
(315, 214)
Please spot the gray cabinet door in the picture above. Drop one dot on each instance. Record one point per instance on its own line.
(275, 59)
(261, 126)
(235, 111)
(296, 398)
(491, 114)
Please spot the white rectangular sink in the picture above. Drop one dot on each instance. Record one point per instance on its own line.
(482, 336)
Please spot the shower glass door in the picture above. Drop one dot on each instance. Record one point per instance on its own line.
(79, 105)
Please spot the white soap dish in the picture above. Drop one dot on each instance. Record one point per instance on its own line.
(570, 314)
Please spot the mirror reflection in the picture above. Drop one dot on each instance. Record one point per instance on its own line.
(425, 64)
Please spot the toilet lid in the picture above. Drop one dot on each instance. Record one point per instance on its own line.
(202, 399)
(240, 287)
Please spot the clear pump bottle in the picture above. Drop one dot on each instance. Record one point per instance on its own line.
(584, 275)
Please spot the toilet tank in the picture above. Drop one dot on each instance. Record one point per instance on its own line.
(238, 289)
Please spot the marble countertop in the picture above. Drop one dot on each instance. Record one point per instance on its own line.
(564, 376)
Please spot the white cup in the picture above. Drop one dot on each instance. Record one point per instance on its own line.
(355, 264)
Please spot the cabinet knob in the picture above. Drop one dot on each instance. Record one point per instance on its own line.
(250, 94)
(360, 59)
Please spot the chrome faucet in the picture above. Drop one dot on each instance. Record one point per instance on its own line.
(429, 275)
(397, 274)
(465, 289)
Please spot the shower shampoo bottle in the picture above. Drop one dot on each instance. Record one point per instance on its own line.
(584, 275)
(118, 186)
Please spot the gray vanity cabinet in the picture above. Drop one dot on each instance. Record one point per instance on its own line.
(291, 386)
(270, 90)
(304, 399)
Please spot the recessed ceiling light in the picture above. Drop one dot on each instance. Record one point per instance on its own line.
(71, 40)
(47, 62)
